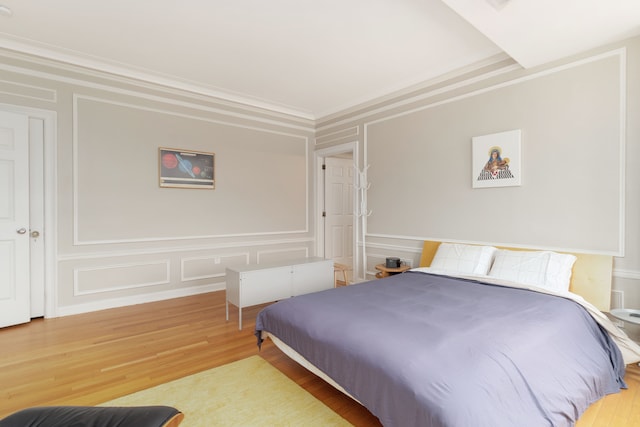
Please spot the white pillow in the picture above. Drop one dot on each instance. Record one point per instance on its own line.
(545, 269)
(529, 268)
(463, 259)
(559, 271)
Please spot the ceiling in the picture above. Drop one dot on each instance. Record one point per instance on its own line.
(309, 58)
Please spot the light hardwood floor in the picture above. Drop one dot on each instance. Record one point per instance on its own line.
(91, 358)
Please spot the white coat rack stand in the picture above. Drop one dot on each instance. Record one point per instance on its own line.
(361, 187)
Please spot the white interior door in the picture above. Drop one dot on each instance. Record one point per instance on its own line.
(338, 229)
(36, 216)
(14, 219)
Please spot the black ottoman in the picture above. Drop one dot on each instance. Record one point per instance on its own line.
(94, 416)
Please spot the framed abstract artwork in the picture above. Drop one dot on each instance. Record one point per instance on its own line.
(496, 160)
(186, 168)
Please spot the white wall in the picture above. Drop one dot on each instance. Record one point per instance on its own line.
(571, 192)
(120, 238)
(260, 186)
(580, 175)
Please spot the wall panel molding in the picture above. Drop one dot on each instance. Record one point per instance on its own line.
(120, 277)
(290, 147)
(278, 254)
(612, 243)
(28, 91)
(104, 304)
(215, 264)
(240, 108)
(379, 251)
(177, 250)
(424, 93)
(338, 135)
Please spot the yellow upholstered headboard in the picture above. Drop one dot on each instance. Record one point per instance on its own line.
(591, 276)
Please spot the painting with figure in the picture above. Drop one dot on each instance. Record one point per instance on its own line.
(496, 160)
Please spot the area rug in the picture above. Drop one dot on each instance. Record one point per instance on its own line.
(249, 392)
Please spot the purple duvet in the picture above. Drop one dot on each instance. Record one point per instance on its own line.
(424, 350)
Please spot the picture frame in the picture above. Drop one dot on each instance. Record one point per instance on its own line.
(178, 168)
(496, 160)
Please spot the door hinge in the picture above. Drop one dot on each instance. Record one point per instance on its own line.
(324, 214)
(324, 167)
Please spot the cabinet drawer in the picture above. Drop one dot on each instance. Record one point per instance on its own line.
(312, 277)
(260, 286)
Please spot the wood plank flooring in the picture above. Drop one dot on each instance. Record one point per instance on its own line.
(91, 358)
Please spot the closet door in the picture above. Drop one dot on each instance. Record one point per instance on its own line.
(15, 306)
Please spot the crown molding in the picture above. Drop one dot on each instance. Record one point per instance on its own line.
(85, 64)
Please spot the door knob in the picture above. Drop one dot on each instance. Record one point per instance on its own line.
(35, 234)
(21, 230)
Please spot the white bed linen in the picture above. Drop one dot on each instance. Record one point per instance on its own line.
(298, 358)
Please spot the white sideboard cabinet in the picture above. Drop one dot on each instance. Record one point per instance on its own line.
(254, 284)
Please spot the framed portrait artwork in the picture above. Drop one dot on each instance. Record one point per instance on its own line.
(186, 168)
(496, 160)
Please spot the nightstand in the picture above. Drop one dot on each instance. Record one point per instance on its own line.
(626, 315)
(384, 271)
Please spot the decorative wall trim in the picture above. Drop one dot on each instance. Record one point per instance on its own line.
(143, 81)
(137, 299)
(37, 92)
(303, 249)
(620, 53)
(623, 150)
(423, 96)
(194, 248)
(627, 274)
(180, 238)
(77, 272)
(77, 96)
(399, 248)
(477, 242)
(75, 145)
(215, 260)
(617, 299)
(388, 248)
(338, 135)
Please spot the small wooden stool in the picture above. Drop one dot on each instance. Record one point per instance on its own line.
(337, 269)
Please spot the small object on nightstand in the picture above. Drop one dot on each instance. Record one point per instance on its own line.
(384, 271)
(393, 262)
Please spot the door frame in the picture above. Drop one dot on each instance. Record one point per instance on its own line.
(50, 232)
(347, 148)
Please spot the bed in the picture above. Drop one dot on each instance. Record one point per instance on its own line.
(477, 335)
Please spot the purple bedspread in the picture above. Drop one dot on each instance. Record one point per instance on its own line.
(423, 350)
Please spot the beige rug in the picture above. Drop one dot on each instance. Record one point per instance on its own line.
(249, 392)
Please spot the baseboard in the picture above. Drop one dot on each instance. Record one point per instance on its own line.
(138, 299)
